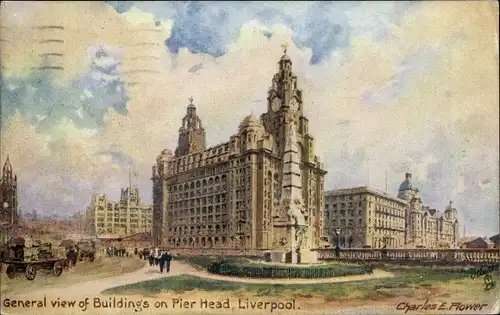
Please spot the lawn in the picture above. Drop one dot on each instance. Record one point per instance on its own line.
(405, 281)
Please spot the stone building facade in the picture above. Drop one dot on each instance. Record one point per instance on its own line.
(364, 217)
(128, 216)
(9, 217)
(427, 227)
(228, 195)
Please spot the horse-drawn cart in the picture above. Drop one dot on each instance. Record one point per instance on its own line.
(29, 259)
(29, 268)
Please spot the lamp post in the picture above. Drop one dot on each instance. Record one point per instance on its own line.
(337, 248)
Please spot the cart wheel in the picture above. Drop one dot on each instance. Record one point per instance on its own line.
(57, 270)
(11, 271)
(30, 272)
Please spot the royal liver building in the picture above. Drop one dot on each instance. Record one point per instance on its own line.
(228, 196)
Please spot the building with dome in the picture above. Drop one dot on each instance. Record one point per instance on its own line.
(228, 195)
(424, 226)
(366, 217)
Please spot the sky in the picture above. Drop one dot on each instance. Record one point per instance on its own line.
(92, 89)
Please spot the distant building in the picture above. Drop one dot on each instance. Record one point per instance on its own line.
(128, 216)
(9, 218)
(495, 240)
(426, 227)
(479, 242)
(364, 217)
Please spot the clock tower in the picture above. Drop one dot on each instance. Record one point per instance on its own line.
(191, 133)
(285, 117)
(284, 103)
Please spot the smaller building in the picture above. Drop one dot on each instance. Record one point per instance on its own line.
(426, 227)
(495, 240)
(479, 242)
(364, 217)
(128, 216)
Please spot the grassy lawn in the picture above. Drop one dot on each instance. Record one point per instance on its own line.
(404, 283)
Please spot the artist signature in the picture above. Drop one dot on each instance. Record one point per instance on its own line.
(484, 270)
(489, 283)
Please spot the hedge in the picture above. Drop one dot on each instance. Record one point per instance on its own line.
(328, 271)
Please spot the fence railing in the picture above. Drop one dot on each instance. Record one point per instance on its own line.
(218, 252)
(424, 254)
(369, 254)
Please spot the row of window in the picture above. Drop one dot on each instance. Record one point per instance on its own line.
(353, 198)
(198, 201)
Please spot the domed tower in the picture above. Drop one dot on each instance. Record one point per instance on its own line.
(406, 190)
(191, 133)
(413, 213)
(250, 132)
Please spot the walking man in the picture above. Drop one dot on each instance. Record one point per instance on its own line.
(162, 261)
(168, 259)
(151, 259)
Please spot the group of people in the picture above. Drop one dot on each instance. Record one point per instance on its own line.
(163, 259)
(116, 252)
(156, 257)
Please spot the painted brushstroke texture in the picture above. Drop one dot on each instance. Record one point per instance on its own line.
(402, 86)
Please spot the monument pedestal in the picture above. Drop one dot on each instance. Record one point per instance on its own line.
(282, 256)
(308, 256)
(276, 256)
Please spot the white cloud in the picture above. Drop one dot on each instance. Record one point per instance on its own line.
(443, 53)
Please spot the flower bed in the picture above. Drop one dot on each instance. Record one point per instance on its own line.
(260, 271)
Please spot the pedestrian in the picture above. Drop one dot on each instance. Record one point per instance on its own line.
(168, 259)
(162, 261)
(157, 256)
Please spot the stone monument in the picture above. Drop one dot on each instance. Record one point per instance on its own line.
(290, 221)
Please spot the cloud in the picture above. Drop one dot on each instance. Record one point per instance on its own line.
(44, 101)
(322, 26)
(399, 88)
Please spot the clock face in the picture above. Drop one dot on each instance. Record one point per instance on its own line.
(276, 105)
(294, 105)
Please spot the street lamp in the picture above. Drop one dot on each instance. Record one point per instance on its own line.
(337, 248)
